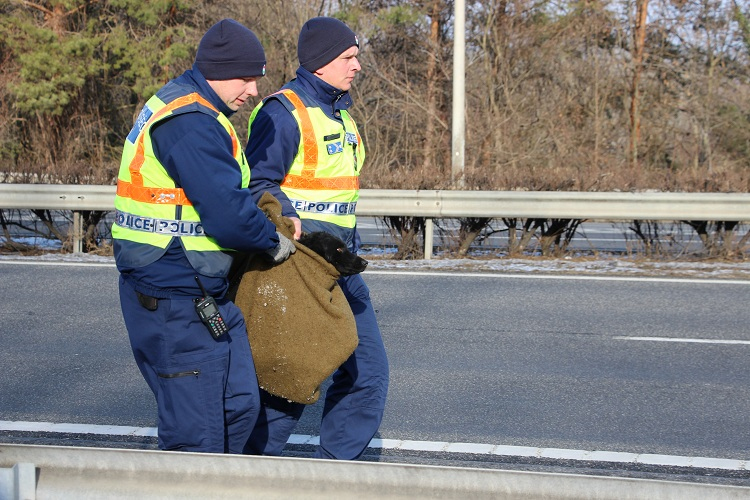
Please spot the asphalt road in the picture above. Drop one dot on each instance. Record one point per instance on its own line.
(643, 366)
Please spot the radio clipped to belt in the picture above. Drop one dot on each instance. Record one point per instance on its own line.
(208, 312)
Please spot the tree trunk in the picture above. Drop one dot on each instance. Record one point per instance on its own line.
(430, 145)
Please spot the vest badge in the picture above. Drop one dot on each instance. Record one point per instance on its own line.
(335, 148)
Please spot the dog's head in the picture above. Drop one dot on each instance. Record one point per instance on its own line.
(333, 250)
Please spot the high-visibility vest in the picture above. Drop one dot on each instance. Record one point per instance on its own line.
(150, 209)
(323, 180)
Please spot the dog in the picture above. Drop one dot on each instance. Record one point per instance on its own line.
(333, 250)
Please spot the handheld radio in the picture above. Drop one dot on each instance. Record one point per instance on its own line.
(208, 312)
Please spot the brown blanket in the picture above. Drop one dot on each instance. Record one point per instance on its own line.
(300, 325)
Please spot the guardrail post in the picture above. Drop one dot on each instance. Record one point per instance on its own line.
(77, 232)
(428, 232)
(18, 482)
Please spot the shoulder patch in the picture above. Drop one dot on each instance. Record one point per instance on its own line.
(140, 122)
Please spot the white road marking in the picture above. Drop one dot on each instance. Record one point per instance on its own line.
(107, 430)
(61, 263)
(428, 446)
(551, 276)
(695, 341)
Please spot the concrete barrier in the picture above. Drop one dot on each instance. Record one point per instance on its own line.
(63, 473)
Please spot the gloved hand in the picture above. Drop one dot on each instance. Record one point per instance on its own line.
(283, 250)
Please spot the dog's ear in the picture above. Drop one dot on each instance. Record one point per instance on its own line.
(333, 253)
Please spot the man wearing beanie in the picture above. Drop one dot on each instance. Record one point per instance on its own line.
(305, 149)
(182, 208)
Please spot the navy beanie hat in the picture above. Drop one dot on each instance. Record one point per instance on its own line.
(229, 50)
(321, 40)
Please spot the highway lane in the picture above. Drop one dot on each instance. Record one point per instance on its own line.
(615, 237)
(642, 366)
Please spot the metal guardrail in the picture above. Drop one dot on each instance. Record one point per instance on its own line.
(447, 204)
(62, 472)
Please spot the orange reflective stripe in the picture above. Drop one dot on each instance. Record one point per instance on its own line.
(310, 144)
(159, 196)
(307, 179)
(334, 183)
(135, 189)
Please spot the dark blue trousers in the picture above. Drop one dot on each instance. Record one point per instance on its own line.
(206, 390)
(354, 402)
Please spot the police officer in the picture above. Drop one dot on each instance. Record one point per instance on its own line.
(182, 208)
(305, 149)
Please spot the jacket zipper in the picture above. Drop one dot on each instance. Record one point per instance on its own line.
(180, 374)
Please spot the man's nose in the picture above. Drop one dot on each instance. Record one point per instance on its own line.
(252, 88)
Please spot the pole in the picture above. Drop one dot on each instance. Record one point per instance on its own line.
(459, 88)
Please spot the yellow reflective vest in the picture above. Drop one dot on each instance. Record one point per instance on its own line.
(323, 180)
(149, 209)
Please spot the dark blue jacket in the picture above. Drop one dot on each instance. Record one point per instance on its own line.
(197, 153)
(275, 142)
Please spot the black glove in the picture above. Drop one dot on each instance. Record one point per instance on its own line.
(283, 250)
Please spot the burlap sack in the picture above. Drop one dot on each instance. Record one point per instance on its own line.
(299, 323)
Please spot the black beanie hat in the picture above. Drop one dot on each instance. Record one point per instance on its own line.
(229, 50)
(321, 40)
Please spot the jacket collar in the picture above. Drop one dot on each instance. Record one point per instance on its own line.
(328, 95)
(195, 79)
